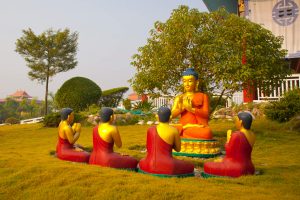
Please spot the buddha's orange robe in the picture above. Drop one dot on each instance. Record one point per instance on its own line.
(200, 102)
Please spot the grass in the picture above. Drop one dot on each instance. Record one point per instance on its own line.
(29, 171)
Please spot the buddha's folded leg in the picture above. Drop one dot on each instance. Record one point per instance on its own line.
(197, 132)
(74, 156)
(119, 161)
(215, 168)
(183, 167)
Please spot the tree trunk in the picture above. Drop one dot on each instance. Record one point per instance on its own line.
(220, 97)
(46, 93)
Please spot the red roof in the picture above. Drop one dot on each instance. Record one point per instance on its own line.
(20, 94)
(135, 97)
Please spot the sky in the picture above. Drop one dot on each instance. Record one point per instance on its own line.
(110, 32)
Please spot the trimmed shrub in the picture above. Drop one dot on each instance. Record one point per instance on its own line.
(12, 120)
(111, 98)
(286, 108)
(78, 93)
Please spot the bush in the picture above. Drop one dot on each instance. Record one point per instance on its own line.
(12, 120)
(111, 98)
(144, 106)
(78, 93)
(127, 104)
(53, 119)
(125, 119)
(214, 103)
(294, 123)
(286, 108)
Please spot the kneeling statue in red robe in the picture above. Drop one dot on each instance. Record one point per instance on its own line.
(105, 135)
(66, 148)
(237, 161)
(161, 139)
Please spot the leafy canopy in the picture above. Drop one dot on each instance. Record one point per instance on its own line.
(47, 54)
(213, 43)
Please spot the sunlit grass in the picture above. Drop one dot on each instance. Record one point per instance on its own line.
(29, 171)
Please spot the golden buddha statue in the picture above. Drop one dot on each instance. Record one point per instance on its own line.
(193, 108)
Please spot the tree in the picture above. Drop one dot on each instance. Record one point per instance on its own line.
(11, 107)
(78, 93)
(112, 97)
(47, 54)
(3, 113)
(214, 44)
(127, 104)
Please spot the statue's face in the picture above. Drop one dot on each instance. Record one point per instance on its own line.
(71, 117)
(238, 123)
(189, 83)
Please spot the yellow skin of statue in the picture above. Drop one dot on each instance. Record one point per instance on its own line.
(110, 133)
(169, 134)
(184, 101)
(72, 134)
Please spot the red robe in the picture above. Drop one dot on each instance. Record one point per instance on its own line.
(103, 154)
(159, 158)
(65, 151)
(237, 161)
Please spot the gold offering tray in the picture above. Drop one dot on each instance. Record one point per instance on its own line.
(198, 148)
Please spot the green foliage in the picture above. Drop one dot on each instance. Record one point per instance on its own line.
(78, 93)
(286, 108)
(127, 104)
(21, 110)
(294, 123)
(215, 104)
(53, 119)
(111, 98)
(93, 109)
(213, 43)
(144, 106)
(47, 54)
(12, 120)
(125, 119)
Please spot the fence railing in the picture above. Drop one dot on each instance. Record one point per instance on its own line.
(290, 83)
(162, 101)
(32, 121)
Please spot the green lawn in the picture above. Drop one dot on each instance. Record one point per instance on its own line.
(29, 171)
